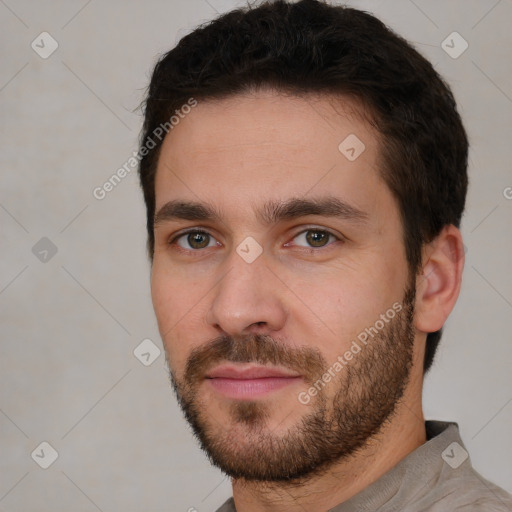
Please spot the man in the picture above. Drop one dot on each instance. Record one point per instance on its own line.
(305, 172)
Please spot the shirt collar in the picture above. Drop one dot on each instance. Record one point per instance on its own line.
(412, 476)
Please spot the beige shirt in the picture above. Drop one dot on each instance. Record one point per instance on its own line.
(436, 477)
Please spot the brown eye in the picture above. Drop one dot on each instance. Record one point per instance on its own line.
(316, 238)
(198, 240)
(194, 240)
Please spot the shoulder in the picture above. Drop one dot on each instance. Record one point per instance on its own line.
(467, 491)
(452, 483)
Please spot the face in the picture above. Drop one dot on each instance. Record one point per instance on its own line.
(280, 282)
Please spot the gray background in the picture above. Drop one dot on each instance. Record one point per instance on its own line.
(70, 324)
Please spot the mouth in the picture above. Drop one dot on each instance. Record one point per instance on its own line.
(249, 382)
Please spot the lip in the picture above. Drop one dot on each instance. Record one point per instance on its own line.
(229, 371)
(250, 382)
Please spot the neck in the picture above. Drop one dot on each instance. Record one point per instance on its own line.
(398, 438)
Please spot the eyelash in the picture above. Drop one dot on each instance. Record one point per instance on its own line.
(174, 240)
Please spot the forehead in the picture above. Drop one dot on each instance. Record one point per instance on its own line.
(268, 145)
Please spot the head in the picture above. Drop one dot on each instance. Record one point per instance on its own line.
(321, 175)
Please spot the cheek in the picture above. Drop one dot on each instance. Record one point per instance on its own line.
(171, 292)
(343, 307)
(179, 311)
(168, 307)
(335, 308)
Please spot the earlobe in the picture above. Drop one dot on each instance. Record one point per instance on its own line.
(438, 285)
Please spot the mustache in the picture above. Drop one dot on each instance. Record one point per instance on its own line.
(254, 348)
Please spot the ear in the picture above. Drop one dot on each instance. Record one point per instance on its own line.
(438, 285)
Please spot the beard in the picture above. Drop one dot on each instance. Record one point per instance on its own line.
(368, 390)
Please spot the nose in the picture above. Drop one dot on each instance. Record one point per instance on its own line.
(249, 298)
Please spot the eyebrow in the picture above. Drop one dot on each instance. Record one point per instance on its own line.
(272, 212)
